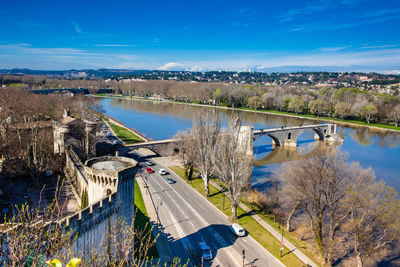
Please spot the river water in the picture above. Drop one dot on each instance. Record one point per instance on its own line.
(377, 149)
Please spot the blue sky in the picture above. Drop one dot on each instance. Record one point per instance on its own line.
(201, 35)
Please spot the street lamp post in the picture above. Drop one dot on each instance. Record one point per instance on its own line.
(282, 244)
(159, 203)
(244, 255)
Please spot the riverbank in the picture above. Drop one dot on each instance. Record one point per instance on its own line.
(123, 133)
(352, 123)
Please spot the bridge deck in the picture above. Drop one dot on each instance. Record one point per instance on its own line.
(152, 143)
(266, 131)
(255, 133)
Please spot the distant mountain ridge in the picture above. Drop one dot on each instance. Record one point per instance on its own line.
(101, 73)
(107, 73)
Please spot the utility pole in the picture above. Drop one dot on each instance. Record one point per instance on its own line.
(244, 255)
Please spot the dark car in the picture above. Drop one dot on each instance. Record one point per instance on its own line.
(149, 170)
(170, 180)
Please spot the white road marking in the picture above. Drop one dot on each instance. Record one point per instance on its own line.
(218, 237)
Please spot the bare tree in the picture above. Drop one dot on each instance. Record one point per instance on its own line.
(320, 184)
(319, 107)
(297, 105)
(375, 215)
(368, 112)
(254, 102)
(232, 163)
(343, 110)
(26, 130)
(394, 115)
(201, 140)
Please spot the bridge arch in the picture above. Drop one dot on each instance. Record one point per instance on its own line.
(320, 134)
(275, 139)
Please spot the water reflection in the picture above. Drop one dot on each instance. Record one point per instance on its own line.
(371, 147)
(367, 137)
(282, 154)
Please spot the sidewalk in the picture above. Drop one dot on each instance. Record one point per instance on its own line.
(274, 232)
(161, 243)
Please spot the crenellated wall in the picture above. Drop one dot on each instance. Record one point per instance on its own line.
(111, 196)
(106, 181)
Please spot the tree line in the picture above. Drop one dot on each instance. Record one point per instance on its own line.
(345, 103)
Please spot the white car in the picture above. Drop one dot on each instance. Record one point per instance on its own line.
(162, 172)
(149, 163)
(205, 251)
(238, 230)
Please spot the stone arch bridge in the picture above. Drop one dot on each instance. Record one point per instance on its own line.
(287, 136)
(283, 136)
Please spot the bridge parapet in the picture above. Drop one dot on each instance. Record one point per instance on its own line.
(287, 136)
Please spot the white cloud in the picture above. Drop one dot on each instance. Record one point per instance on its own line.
(173, 66)
(397, 72)
(374, 58)
(23, 48)
(116, 45)
(77, 28)
(378, 46)
(311, 8)
(196, 68)
(333, 49)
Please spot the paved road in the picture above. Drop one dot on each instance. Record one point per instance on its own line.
(188, 219)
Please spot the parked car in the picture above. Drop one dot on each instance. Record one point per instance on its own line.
(170, 180)
(238, 230)
(162, 172)
(149, 163)
(149, 170)
(205, 251)
(132, 154)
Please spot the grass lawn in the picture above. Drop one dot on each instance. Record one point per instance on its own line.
(259, 233)
(142, 221)
(124, 134)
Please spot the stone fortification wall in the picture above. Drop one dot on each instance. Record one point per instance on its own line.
(105, 207)
(75, 172)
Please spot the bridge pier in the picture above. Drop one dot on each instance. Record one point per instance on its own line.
(290, 143)
(246, 139)
(317, 137)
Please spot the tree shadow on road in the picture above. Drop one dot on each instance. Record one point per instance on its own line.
(215, 236)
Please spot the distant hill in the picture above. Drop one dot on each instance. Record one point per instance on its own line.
(100, 73)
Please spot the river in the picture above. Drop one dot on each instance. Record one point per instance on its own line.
(373, 148)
